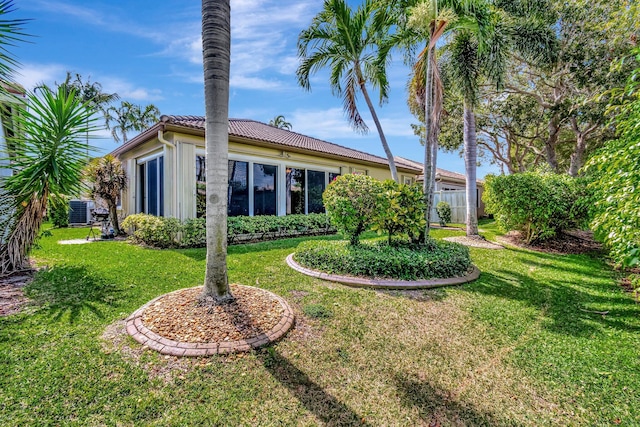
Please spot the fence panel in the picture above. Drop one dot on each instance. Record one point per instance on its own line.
(457, 199)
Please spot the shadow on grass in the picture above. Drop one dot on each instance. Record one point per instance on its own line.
(323, 405)
(438, 408)
(72, 290)
(566, 305)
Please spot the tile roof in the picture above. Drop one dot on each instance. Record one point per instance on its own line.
(440, 173)
(254, 130)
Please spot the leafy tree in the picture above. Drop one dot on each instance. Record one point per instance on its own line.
(47, 161)
(216, 48)
(280, 122)
(346, 41)
(616, 170)
(130, 117)
(108, 179)
(351, 203)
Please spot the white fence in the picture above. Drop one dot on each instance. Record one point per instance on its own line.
(457, 199)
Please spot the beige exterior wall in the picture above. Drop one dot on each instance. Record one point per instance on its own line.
(180, 169)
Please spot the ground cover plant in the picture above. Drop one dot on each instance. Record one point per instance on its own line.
(523, 345)
(379, 259)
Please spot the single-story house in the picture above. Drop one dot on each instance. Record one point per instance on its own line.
(272, 171)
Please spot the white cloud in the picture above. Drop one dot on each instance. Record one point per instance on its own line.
(127, 90)
(32, 75)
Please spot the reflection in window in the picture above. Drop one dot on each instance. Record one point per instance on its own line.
(151, 186)
(333, 176)
(264, 189)
(315, 188)
(201, 186)
(238, 196)
(295, 191)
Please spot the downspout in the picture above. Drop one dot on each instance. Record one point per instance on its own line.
(174, 178)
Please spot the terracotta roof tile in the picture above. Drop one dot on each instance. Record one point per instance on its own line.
(251, 129)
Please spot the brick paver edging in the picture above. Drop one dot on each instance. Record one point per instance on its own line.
(145, 336)
(361, 282)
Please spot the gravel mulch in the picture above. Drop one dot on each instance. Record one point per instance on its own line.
(178, 316)
(475, 242)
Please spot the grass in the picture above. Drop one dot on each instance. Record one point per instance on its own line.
(520, 346)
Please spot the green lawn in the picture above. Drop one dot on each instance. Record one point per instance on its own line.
(517, 347)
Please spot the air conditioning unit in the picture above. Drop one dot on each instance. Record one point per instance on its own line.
(80, 212)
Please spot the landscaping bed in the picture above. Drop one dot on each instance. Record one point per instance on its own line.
(378, 259)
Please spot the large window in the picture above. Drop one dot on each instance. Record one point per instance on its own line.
(316, 184)
(264, 189)
(151, 186)
(238, 197)
(295, 191)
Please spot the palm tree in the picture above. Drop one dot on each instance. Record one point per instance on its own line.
(346, 41)
(47, 161)
(216, 50)
(108, 178)
(10, 32)
(89, 93)
(482, 52)
(280, 122)
(130, 117)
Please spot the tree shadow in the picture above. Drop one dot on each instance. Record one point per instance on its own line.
(73, 290)
(438, 407)
(566, 306)
(323, 405)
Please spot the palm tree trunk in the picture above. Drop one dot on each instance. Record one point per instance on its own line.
(383, 139)
(216, 44)
(470, 165)
(13, 255)
(429, 164)
(113, 213)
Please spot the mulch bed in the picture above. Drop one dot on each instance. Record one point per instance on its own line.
(12, 297)
(568, 242)
(178, 316)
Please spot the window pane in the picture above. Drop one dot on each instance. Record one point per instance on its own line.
(295, 191)
(161, 185)
(201, 186)
(142, 187)
(152, 187)
(315, 188)
(264, 189)
(333, 177)
(238, 197)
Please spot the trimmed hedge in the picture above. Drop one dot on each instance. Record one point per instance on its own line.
(437, 259)
(163, 232)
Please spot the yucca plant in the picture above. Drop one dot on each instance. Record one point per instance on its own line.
(48, 155)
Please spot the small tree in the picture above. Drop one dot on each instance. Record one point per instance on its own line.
(444, 212)
(351, 202)
(108, 179)
(400, 211)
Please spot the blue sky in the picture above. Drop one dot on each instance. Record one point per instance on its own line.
(149, 51)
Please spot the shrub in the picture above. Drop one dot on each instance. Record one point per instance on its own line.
(400, 211)
(156, 231)
(539, 205)
(59, 212)
(444, 212)
(350, 201)
(192, 233)
(438, 259)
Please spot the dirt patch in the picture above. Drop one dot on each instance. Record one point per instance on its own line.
(568, 242)
(12, 298)
(178, 316)
(476, 242)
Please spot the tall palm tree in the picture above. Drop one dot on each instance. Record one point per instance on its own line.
(108, 179)
(130, 117)
(482, 52)
(47, 161)
(280, 122)
(346, 41)
(216, 50)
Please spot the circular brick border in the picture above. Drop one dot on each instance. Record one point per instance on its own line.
(361, 282)
(147, 337)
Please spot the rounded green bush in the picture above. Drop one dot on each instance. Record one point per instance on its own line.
(444, 212)
(437, 259)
